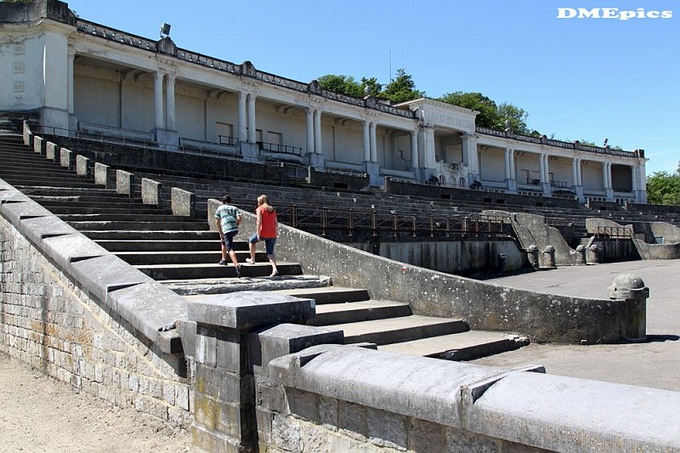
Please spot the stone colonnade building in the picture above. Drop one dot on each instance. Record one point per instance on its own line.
(84, 78)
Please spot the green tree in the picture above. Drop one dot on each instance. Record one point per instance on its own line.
(347, 85)
(515, 118)
(488, 111)
(341, 84)
(664, 188)
(401, 89)
(371, 86)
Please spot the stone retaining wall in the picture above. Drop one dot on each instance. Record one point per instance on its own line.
(93, 332)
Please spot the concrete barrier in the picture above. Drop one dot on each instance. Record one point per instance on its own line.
(83, 166)
(183, 203)
(151, 192)
(332, 401)
(101, 174)
(38, 145)
(51, 151)
(124, 182)
(66, 158)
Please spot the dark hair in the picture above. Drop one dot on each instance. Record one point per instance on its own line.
(226, 199)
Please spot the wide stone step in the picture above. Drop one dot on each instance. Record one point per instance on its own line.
(406, 328)
(92, 194)
(350, 312)
(95, 190)
(56, 182)
(140, 245)
(461, 346)
(123, 209)
(24, 155)
(137, 217)
(195, 289)
(197, 271)
(32, 167)
(330, 294)
(133, 225)
(185, 257)
(157, 235)
(44, 177)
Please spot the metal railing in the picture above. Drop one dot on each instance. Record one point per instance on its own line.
(278, 148)
(390, 224)
(614, 232)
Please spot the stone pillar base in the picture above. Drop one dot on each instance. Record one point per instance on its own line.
(166, 137)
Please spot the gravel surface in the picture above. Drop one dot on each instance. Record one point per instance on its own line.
(40, 414)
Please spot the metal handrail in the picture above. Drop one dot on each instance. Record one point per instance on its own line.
(388, 223)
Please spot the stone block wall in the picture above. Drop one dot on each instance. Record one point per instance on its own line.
(348, 398)
(59, 326)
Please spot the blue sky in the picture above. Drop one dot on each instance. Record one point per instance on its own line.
(586, 79)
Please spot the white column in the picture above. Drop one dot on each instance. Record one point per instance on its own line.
(69, 81)
(252, 126)
(170, 102)
(414, 151)
(310, 130)
(641, 195)
(642, 177)
(513, 165)
(605, 176)
(317, 132)
(158, 110)
(374, 144)
(470, 153)
(430, 160)
(541, 168)
(508, 176)
(367, 141)
(574, 172)
(242, 122)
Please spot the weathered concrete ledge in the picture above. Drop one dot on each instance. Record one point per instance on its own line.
(427, 389)
(465, 404)
(247, 310)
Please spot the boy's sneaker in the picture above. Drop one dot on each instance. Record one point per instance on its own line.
(238, 271)
(249, 261)
(222, 262)
(275, 274)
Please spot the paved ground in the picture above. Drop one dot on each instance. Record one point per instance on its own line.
(655, 363)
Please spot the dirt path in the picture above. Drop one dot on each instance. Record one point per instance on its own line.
(39, 414)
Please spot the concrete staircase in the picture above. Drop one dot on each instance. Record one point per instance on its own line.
(183, 254)
(393, 327)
